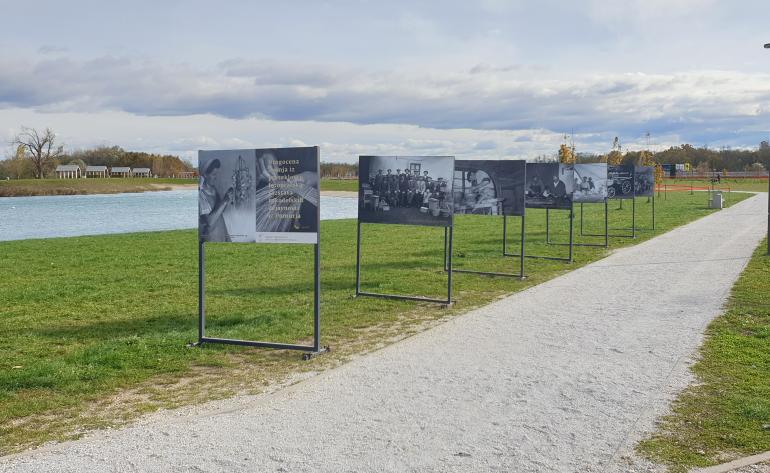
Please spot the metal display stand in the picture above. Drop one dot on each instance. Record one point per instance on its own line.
(653, 214)
(519, 275)
(311, 351)
(606, 233)
(447, 301)
(633, 222)
(547, 237)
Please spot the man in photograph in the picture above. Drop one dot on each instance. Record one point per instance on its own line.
(421, 189)
(558, 189)
(403, 187)
(536, 188)
(413, 190)
(378, 178)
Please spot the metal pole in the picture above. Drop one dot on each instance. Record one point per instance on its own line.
(633, 218)
(201, 291)
(653, 211)
(449, 273)
(446, 232)
(581, 219)
(358, 259)
(317, 298)
(768, 214)
(523, 233)
(547, 229)
(571, 225)
(505, 234)
(606, 224)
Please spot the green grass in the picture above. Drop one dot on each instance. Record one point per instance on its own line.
(727, 412)
(29, 187)
(94, 328)
(339, 185)
(752, 185)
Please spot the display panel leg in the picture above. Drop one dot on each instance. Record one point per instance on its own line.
(521, 251)
(633, 217)
(358, 259)
(547, 227)
(606, 224)
(581, 219)
(653, 211)
(520, 275)
(447, 264)
(571, 232)
(317, 298)
(505, 234)
(310, 351)
(523, 241)
(547, 240)
(201, 291)
(449, 273)
(446, 244)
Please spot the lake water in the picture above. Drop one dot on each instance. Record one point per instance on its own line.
(75, 215)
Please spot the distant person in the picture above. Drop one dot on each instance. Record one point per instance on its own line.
(212, 205)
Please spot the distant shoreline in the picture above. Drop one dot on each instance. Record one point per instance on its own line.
(50, 187)
(56, 187)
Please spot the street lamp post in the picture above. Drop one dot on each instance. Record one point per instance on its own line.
(767, 46)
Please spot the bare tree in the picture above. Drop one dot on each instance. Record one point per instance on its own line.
(40, 148)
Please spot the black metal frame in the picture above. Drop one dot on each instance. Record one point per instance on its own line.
(311, 351)
(519, 275)
(606, 233)
(634, 228)
(447, 301)
(653, 215)
(633, 220)
(571, 243)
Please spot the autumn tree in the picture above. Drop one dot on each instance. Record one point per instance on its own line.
(566, 154)
(39, 147)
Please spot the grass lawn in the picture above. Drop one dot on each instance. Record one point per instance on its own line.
(94, 328)
(752, 185)
(29, 187)
(726, 414)
(339, 185)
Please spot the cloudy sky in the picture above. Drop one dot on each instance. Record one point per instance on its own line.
(483, 79)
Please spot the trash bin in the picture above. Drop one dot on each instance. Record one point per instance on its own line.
(716, 201)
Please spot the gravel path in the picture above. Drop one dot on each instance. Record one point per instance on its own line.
(563, 377)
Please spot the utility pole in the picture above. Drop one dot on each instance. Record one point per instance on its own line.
(767, 46)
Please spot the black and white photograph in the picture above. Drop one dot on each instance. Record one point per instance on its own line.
(644, 181)
(620, 182)
(590, 182)
(287, 195)
(487, 187)
(549, 186)
(226, 196)
(408, 190)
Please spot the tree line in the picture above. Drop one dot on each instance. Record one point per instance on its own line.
(701, 159)
(36, 155)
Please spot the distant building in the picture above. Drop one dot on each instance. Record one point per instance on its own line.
(188, 175)
(68, 171)
(97, 171)
(142, 172)
(120, 172)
